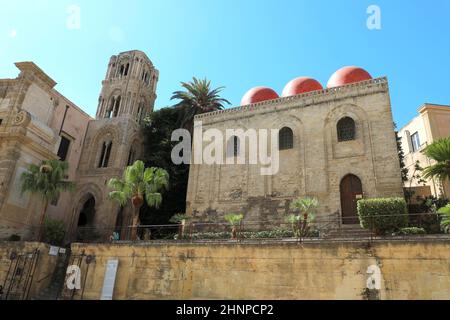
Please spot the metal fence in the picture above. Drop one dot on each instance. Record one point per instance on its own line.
(320, 229)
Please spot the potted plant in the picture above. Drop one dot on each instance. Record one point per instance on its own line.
(234, 220)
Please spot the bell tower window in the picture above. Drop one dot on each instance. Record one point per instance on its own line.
(105, 154)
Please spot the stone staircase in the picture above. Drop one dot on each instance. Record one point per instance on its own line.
(53, 290)
(348, 232)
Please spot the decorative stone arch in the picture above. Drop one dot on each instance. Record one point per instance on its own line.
(107, 133)
(135, 151)
(146, 71)
(291, 120)
(294, 123)
(115, 104)
(351, 189)
(84, 193)
(228, 142)
(142, 106)
(352, 111)
(124, 66)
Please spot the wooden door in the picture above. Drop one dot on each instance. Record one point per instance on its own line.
(351, 192)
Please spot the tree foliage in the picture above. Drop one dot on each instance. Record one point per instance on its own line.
(401, 157)
(439, 151)
(139, 181)
(196, 98)
(47, 180)
(158, 147)
(305, 210)
(445, 218)
(384, 215)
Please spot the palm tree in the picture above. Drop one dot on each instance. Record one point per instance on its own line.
(234, 220)
(445, 218)
(197, 98)
(439, 151)
(47, 180)
(139, 184)
(305, 214)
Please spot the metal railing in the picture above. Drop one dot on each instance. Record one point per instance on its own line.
(328, 228)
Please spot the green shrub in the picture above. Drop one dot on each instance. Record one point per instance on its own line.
(445, 218)
(410, 231)
(234, 219)
(54, 232)
(267, 234)
(383, 216)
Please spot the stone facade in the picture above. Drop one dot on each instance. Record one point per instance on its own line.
(432, 124)
(36, 120)
(33, 118)
(113, 141)
(410, 270)
(317, 163)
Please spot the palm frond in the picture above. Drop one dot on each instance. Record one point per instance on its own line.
(47, 183)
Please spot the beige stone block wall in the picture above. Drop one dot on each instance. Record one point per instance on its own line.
(317, 163)
(409, 270)
(45, 264)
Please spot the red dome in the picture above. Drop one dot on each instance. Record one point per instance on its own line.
(301, 85)
(348, 75)
(258, 94)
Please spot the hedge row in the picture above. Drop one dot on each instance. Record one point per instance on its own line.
(383, 216)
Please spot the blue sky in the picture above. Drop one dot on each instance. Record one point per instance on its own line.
(235, 43)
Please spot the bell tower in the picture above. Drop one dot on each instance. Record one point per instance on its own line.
(129, 88)
(113, 140)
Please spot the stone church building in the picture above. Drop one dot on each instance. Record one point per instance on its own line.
(38, 123)
(336, 144)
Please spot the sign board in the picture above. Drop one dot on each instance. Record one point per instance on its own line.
(53, 251)
(109, 280)
(62, 250)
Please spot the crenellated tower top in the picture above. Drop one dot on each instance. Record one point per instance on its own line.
(129, 88)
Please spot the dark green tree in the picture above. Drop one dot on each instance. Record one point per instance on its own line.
(198, 97)
(158, 130)
(401, 157)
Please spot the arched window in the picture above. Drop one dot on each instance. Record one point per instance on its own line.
(140, 111)
(346, 129)
(105, 154)
(131, 157)
(233, 147)
(122, 70)
(286, 139)
(110, 108)
(117, 106)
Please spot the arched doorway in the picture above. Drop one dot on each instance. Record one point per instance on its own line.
(119, 229)
(351, 192)
(86, 219)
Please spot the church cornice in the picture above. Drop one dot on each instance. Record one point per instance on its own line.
(302, 100)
